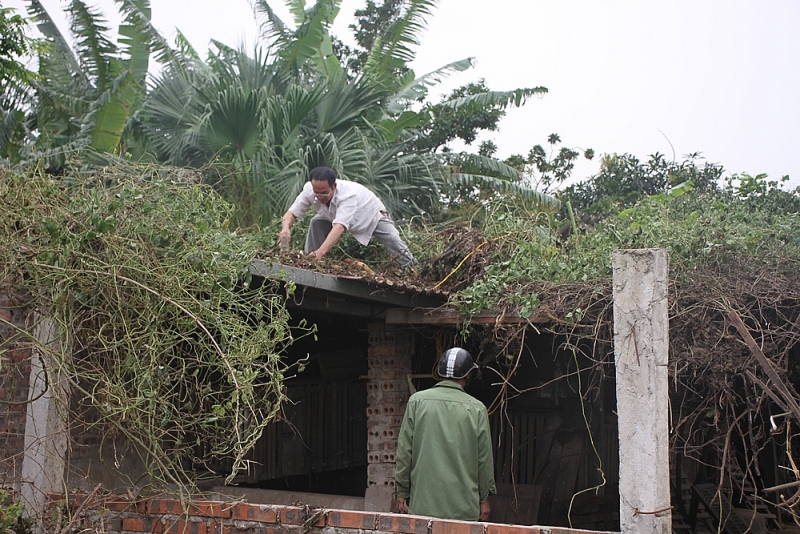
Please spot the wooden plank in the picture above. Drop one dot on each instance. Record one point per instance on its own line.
(547, 473)
(530, 449)
(709, 498)
(567, 476)
(516, 504)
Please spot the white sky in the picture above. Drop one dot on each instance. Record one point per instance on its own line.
(718, 77)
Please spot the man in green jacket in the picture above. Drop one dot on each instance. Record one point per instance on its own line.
(444, 458)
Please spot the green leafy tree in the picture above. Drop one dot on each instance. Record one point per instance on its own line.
(270, 118)
(545, 169)
(14, 47)
(262, 118)
(373, 20)
(443, 123)
(85, 98)
(461, 115)
(624, 180)
(15, 80)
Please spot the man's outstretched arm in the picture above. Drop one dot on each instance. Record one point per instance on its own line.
(330, 241)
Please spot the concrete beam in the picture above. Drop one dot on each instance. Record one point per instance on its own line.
(641, 343)
(346, 285)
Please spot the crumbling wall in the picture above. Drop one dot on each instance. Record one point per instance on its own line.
(115, 515)
(15, 371)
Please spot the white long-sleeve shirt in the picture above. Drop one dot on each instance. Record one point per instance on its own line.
(353, 206)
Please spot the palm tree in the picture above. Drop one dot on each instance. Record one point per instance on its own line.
(270, 116)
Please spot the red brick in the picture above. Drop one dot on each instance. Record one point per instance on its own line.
(80, 498)
(351, 519)
(178, 526)
(374, 374)
(210, 509)
(441, 526)
(254, 512)
(381, 446)
(165, 506)
(135, 524)
(293, 515)
(554, 530)
(119, 503)
(405, 524)
(493, 528)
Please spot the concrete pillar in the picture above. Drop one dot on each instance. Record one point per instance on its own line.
(641, 344)
(45, 428)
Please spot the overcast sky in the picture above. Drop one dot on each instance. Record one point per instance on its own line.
(719, 77)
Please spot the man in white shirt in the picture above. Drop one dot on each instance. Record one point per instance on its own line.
(342, 206)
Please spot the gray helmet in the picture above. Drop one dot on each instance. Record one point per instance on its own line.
(455, 363)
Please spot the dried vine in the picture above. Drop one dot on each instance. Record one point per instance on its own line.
(738, 256)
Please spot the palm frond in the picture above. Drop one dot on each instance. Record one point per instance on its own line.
(490, 183)
(233, 123)
(272, 28)
(417, 88)
(486, 165)
(138, 14)
(172, 113)
(394, 51)
(344, 104)
(53, 34)
(251, 72)
(93, 48)
(516, 98)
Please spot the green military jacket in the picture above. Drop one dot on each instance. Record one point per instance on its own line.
(444, 454)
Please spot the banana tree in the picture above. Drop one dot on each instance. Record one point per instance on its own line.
(85, 96)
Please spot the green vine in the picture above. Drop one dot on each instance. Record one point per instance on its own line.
(163, 339)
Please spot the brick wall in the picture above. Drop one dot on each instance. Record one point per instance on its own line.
(15, 370)
(116, 515)
(389, 362)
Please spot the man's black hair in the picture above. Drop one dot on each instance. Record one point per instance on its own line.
(323, 173)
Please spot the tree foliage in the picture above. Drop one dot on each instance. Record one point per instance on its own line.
(624, 180)
(547, 169)
(84, 97)
(259, 120)
(15, 80)
(679, 206)
(14, 46)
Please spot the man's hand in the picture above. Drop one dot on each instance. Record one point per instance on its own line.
(402, 505)
(486, 510)
(326, 246)
(285, 235)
